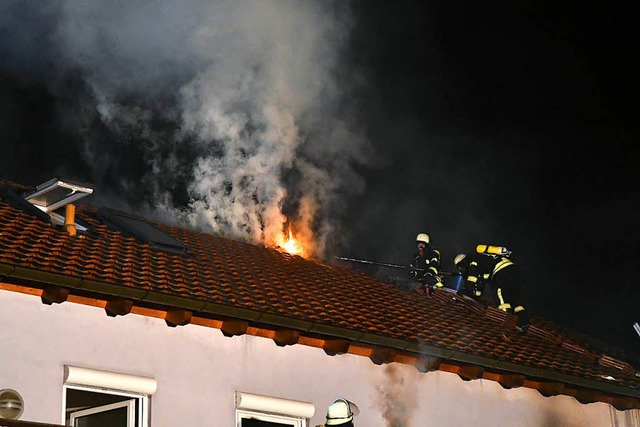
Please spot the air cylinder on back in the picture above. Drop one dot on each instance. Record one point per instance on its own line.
(494, 250)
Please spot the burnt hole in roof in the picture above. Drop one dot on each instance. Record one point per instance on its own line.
(142, 230)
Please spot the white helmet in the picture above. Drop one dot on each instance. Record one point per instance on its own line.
(459, 258)
(422, 237)
(341, 411)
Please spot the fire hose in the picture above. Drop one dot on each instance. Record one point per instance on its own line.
(387, 264)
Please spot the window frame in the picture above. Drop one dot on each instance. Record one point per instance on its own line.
(142, 400)
(123, 386)
(56, 187)
(242, 414)
(272, 409)
(129, 404)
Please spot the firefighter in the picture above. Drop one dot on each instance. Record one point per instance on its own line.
(494, 278)
(425, 266)
(340, 413)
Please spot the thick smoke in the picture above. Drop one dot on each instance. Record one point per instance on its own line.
(230, 116)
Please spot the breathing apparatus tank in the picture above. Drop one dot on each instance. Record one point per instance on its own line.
(493, 250)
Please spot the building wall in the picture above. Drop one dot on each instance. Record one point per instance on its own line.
(198, 369)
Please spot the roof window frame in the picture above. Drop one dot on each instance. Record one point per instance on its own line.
(37, 197)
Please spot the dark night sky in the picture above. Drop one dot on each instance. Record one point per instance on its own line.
(511, 124)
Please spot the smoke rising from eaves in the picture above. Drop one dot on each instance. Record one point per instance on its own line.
(229, 116)
(396, 397)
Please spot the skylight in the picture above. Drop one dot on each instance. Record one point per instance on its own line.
(56, 193)
(143, 231)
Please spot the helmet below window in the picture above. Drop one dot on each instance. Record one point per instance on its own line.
(422, 237)
(341, 411)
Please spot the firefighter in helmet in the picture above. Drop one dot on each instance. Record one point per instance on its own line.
(497, 275)
(425, 266)
(340, 413)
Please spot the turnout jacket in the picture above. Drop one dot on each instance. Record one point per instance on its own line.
(480, 269)
(426, 262)
(497, 280)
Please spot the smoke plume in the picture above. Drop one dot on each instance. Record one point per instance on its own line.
(229, 116)
(396, 397)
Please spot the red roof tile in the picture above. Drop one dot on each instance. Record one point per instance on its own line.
(274, 288)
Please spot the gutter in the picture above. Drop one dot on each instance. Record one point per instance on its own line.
(141, 295)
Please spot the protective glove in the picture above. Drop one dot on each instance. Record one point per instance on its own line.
(413, 271)
(423, 288)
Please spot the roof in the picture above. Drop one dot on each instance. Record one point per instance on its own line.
(242, 288)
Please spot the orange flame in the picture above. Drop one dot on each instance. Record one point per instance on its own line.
(297, 239)
(292, 245)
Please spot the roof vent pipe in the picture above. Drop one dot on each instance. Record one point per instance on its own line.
(70, 219)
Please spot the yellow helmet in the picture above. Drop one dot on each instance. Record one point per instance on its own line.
(341, 411)
(458, 259)
(422, 237)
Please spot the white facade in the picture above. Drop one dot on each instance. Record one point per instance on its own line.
(198, 370)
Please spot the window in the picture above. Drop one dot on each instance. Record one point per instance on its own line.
(56, 193)
(253, 410)
(46, 198)
(142, 231)
(85, 409)
(254, 419)
(95, 398)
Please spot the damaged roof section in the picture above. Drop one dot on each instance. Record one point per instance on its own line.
(242, 288)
